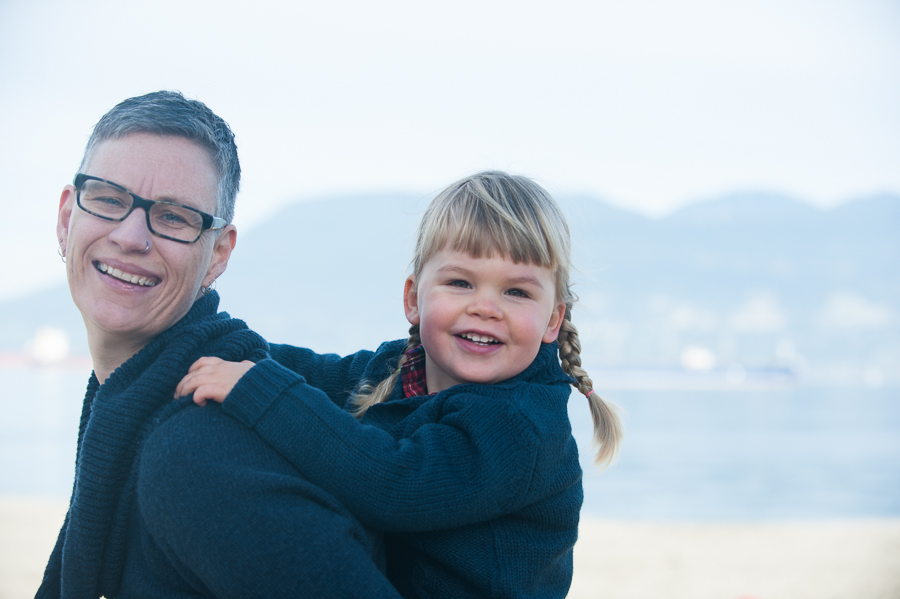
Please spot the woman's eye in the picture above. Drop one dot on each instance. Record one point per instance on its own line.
(108, 201)
(170, 218)
(173, 218)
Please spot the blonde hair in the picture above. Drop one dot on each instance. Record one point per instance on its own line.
(493, 213)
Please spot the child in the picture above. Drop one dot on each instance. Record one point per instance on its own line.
(456, 442)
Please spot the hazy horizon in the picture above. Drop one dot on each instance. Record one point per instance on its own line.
(647, 105)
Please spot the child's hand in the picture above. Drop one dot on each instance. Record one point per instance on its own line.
(212, 378)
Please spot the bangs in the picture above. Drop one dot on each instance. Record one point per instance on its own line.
(485, 234)
(494, 214)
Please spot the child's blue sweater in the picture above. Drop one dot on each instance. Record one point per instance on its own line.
(478, 487)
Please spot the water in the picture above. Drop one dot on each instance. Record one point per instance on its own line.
(803, 453)
(713, 455)
(39, 430)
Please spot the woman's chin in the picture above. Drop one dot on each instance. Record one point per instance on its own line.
(126, 321)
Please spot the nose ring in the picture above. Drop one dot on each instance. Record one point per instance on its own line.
(146, 249)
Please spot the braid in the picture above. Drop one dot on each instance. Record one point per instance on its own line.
(369, 394)
(607, 424)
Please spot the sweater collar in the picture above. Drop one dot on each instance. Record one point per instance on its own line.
(116, 419)
(122, 376)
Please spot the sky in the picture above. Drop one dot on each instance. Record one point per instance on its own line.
(649, 105)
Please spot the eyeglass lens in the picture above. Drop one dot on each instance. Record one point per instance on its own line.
(169, 220)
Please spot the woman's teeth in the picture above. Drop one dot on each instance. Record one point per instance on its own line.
(127, 277)
(480, 339)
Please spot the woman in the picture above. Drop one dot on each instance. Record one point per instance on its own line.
(144, 231)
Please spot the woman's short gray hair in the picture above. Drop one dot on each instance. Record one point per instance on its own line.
(170, 113)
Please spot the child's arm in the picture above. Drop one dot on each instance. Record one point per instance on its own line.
(336, 376)
(212, 379)
(471, 460)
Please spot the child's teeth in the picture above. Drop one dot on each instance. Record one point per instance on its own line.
(479, 338)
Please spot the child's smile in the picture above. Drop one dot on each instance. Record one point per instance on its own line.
(479, 339)
(482, 320)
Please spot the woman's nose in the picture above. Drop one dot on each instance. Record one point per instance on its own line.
(132, 234)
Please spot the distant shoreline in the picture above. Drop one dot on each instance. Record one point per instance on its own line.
(25, 361)
(733, 378)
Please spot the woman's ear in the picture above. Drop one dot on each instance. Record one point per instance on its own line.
(222, 249)
(411, 300)
(66, 203)
(556, 320)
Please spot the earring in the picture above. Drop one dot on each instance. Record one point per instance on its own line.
(61, 251)
(208, 288)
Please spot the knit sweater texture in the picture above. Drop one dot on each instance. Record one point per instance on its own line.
(477, 488)
(172, 500)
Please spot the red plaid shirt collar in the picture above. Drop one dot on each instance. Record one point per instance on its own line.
(412, 373)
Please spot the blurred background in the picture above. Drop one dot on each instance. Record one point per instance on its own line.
(730, 172)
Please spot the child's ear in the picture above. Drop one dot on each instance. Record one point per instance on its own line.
(411, 300)
(556, 320)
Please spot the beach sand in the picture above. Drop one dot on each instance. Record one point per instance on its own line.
(615, 559)
(856, 559)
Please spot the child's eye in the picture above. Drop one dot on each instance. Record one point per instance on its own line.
(459, 283)
(517, 293)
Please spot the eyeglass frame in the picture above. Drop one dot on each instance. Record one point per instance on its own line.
(209, 222)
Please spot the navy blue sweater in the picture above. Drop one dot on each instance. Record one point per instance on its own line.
(172, 500)
(478, 488)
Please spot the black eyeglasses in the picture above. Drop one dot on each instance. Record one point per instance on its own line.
(110, 201)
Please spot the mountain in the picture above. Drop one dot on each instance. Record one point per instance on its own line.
(754, 279)
(332, 271)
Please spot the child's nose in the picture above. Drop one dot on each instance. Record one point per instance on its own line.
(485, 305)
(132, 234)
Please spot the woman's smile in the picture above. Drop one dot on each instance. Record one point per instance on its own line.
(130, 275)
